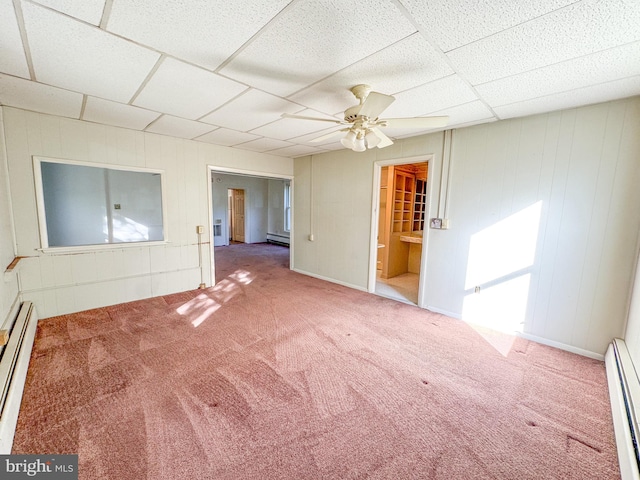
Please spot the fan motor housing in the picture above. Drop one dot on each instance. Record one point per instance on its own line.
(351, 114)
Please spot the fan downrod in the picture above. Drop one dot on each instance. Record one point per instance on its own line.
(361, 91)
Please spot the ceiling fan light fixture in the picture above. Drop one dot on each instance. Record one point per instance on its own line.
(349, 141)
(372, 139)
(359, 145)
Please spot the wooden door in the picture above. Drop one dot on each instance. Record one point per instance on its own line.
(238, 215)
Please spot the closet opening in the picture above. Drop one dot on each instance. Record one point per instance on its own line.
(402, 210)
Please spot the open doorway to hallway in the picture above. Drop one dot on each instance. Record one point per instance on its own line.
(247, 208)
(402, 211)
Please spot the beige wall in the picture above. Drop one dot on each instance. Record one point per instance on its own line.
(8, 282)
(632, 334)
(62, 283)
(568, 179)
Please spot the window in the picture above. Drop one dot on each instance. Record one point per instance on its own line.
(83, 204)
(287, 207)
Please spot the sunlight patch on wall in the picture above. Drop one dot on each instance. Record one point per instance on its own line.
(501, 307)
(504, 247)
(499, 272)
(128, 230)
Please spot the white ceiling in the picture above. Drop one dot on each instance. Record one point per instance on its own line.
(223, 72)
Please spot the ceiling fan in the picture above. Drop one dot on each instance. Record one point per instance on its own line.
(364, 130)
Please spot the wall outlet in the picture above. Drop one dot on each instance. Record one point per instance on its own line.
(199, 229)
(445, 223)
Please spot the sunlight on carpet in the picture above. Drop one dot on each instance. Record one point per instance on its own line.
(290, 377)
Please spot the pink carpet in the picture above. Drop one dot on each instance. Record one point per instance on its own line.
(275, 375)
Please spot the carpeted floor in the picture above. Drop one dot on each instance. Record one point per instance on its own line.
(275, 375)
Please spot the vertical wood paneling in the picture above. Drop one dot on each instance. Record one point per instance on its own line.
(577, 204)
(62, 283)
(632, 333)
(9, 288)
(581, 165)
(616, 273)
(552, 222)
(540, 278)
(597, 233)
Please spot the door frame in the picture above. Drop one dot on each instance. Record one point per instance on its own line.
(249, 173)
(375, 207)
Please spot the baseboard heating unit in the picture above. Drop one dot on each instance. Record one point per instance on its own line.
(624, 392)
(14, 361)
(278, 239)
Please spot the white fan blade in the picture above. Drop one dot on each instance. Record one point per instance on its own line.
(375, 104)
(415, 122)
(384, 140)
(329, 135)
(302, 117)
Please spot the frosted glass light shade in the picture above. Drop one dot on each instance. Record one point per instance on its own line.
(359, 145)
(372, 139)
(349, 139)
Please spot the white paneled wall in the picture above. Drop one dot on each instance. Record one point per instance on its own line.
(8, 282)
(580, 167)
(571, 176)
(60, 283)
(632, 334)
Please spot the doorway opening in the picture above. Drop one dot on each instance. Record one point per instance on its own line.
(247, 207)
(402, 210)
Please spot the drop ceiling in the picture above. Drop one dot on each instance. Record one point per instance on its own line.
(223, 72)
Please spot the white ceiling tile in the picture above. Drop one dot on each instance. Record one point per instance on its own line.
(12, 59)
(313, 39)
(580, 29)
(287, 128)
(186, 91)
(76, 56)
(605, 66)
(204, 32)
(263, 145)
(118, 114)
(453, 24)
(437, 95)
(87, 10)
(295, 151)
(251, 110)
(224, 136)
(178, 127)
(413, 56)
(28, 95)
(466, 113)
(626, 87)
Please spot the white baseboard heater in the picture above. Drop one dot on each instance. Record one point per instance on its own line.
(624, 392)
(14, 362)
(278, 239)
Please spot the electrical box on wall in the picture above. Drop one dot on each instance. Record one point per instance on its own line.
(439, 223)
